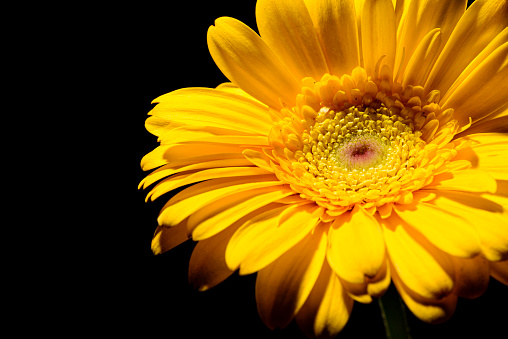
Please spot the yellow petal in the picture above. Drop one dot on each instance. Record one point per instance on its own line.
(499, 270)
(488, 153)
(420, 265)
(327, 309)
(207, 265)
(258, 158)
(166, 238)
(483, 90)
(179, 154)
(429, 310)
(208, 107)
(199, 195)
(479, 25)
(372, 287)
(488, 216)
(250, 64)
(469, 180)
(472, 276)
(283, 286)
(419, 19)
(218, 215)
(458, 237)
(268, 235)
(378, 34)
(287, 28)
(492, 124)
(423, 59)
(154, 158)
(168, 170)
(179, 180)
(356, 246)
(336, 27)
(497, 42)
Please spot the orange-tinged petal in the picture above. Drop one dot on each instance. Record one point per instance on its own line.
(497, 42)
(287, 28)
(218, 215)
(336, 27)
(487, 214)
(199, 195)
(168, 170)
(166, 238)
(469, 180)
(488, 153)
(483, 90)
(420, 18)
(429, 310)
(208, 107)
(372, 287)
(378, 34)
(499, 270)
(179, 180)
(207, 265)
(423, 59)
(283, 286)
(250, 64)
(258, 158)
(420, 265)
(458, 238)
(267, 236)
(481, 23)
(472, 276)
(356, 246)
(327, 309)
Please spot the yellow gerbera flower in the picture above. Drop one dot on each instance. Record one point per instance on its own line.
(360, 142)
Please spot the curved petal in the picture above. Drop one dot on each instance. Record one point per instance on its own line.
(207, 265)
(488, 152)
(378, 34)
(372, 287)
(468, 180)
(420, 18)
(420, 265)
(487, 214)
(458, 238)
(218, 215)
(483, 91)
(287, 28)
(472, 276)
(283, 286)
(166, 238)
(499, 270)
(327, 309)
(429, 310)
(481, 23)
(199, 195)
(497, 42)
(268, 235)
(423, 58)
(208, 107)
(356, 246)
(182, 179)
(336, 27)
(249, 63)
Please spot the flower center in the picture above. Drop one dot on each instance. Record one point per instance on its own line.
(361, 140)
(357, 149)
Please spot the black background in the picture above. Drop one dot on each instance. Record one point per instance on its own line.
(160, 48)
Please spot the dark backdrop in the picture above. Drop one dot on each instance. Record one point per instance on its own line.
(163, 48)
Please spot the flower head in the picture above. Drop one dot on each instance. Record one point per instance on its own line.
(359, 143)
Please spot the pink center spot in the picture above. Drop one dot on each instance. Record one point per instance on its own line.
(361, 152)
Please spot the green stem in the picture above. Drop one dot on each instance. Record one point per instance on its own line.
(394, 315)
